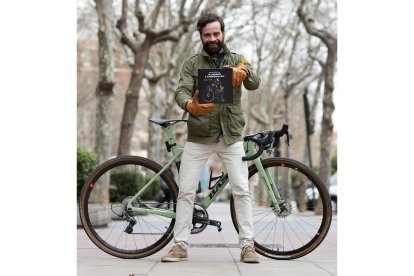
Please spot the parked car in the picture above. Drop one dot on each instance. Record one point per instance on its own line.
(313, 194)
(333, 192)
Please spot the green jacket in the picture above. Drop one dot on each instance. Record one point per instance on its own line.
(224, 118)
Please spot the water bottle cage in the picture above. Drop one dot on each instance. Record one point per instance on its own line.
(214, 178)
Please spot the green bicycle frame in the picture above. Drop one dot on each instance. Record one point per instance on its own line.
(265, 176)
(217, 188)
(177, 152)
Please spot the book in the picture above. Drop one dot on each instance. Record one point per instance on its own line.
(215, 86)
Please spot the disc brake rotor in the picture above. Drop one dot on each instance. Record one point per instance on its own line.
(285, 209)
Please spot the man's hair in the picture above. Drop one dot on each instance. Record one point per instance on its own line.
(208, 17)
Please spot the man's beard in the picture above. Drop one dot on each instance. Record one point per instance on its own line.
(213, 48)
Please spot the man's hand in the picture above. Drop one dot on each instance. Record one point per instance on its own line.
(194, 107)
(239, 73)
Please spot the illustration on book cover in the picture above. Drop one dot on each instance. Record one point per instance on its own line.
(215, 86)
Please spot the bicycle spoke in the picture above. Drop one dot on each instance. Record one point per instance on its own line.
(135, 242)
(150, 229)
(269, 233)
(113, 227)
(294, 232)
(287, 235)
(120, 236)
(304, 221)
(152, 225)
(142, 232)
(267, 211)
(263, 217)
(263, 229)
(304, 230)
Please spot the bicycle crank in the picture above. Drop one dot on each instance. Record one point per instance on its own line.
(201, 220)
(206, 222)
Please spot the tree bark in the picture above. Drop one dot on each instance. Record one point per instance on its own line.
(131, 100)
(104, 89)
(330, 42)
(154, 131)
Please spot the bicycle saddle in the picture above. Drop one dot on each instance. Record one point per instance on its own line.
(165, 123)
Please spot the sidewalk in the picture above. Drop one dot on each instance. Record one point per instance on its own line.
(210, 253)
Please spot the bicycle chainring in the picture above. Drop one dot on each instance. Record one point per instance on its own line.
(201, 212)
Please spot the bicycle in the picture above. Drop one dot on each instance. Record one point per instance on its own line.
(127, 223)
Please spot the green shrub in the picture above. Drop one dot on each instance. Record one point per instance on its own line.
(126, 183)
(123, 183)
(86, 164)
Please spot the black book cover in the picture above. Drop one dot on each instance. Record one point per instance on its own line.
(215, 86)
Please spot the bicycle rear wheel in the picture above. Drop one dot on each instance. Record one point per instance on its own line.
(306, 210)
(103, 208)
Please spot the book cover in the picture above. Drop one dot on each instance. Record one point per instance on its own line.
(215, 86)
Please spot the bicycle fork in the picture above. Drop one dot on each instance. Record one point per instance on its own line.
(267, 179)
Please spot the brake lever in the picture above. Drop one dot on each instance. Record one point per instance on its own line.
(269, 150)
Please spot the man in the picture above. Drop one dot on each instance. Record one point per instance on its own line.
(213, 129)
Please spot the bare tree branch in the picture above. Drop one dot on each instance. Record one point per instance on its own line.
(122, 25)
(155, 12)
(308, 23)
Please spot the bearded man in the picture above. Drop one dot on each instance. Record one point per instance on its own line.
(213, 129)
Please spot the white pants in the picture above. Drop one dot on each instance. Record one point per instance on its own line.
(193, 159)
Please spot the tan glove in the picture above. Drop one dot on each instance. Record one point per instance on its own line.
(239, 73)
(194, 107)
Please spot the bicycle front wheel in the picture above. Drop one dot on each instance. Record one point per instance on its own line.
(305, 216)
(103, 212)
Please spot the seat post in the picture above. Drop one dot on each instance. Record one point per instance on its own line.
(171, 143)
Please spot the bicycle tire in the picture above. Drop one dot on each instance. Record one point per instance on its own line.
(297, 232)
(99, 219)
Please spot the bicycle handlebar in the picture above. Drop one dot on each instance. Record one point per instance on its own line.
(266, 140)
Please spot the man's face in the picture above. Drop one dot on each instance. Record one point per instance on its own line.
(212, 37)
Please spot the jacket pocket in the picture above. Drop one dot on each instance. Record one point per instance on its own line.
(235, 120)
(198, 125)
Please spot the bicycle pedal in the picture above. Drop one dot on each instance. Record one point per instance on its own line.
(216, 223)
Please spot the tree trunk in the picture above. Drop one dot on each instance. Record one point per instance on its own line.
(330, 42)
(154, 131)
(327, 124)
(104, 89)
(131, 101)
